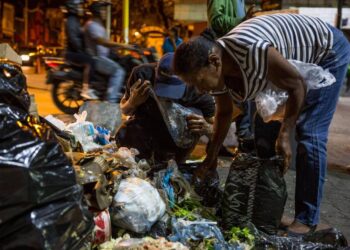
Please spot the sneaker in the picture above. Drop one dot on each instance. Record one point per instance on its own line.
(89, 94)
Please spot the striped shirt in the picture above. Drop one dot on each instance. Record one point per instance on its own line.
(297, 37)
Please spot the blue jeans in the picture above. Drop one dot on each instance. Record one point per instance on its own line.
(244, 121)
(116, 75)
(312, 134)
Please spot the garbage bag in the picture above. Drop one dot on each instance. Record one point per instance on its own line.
(13, 87)
(265, 136)
(255, 191)
(208, 189)
(41, 203)
(103, 114)
(61, 224)
(331, 236)
(323, 239)
(136, 206)
(270, 103)
(184, 231)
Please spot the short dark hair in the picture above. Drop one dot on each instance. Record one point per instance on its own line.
(192, 55)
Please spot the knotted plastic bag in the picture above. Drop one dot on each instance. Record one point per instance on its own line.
(270, 103)
(136, 206)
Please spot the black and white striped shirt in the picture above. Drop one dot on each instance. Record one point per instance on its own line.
(297, 37)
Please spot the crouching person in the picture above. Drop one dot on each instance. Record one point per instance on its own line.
(146, 129)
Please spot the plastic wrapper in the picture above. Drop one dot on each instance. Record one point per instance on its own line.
(40, 201)
(175, 185)
(56, 122)
(103, 114)
(255, 191)
(96, 192)
(191, 233)
(184, 231)
(270, 103)
(136, 206)
(103, 136)
(103, 227)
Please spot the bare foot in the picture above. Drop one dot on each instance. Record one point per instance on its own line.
(297, 227)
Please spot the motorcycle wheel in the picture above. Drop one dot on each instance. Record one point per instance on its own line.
(66, 95)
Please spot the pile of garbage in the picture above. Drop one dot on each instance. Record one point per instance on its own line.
(67, 186)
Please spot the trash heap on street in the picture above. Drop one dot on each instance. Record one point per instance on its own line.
(67, 186)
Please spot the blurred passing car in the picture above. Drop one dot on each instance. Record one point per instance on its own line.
(28, 55)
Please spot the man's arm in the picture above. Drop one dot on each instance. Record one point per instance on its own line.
(92, 28)
(283, 75)
(220, 22)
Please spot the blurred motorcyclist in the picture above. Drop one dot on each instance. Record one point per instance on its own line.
(98, 45)
(75, 51)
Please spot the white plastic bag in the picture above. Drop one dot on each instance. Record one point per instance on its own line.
(136, 206)
(270, 103)
(84, 132)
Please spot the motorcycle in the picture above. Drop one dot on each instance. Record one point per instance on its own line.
(66, 78)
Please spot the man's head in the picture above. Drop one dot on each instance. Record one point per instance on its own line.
(173, 33)
(75, 7)
(167, 84)
(198, 62)
(98, 9)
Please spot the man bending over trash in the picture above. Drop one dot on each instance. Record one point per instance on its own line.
(147, 129)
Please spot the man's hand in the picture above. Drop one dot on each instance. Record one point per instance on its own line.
(208, 165)
(139, 93)
(198, 125)
(283, 147)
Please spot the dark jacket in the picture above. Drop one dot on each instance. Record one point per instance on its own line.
(74, 33)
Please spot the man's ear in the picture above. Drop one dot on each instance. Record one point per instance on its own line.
(214, 60)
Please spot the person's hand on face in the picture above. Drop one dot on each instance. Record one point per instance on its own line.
(139, 92)
(198, 125)
(283, 148)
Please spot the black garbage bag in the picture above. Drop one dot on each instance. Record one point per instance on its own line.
(13, 87)
(255, 191)
(319, 240)
(62, 224)
(208, 189)
(331, 236)
(40, 201)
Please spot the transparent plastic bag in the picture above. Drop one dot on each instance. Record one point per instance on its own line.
(136, 206)
(103, 114)
(270, 103)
